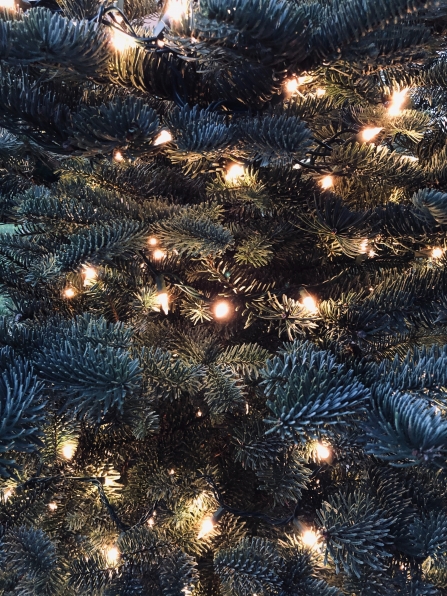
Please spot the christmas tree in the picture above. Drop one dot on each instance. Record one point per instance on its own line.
(223, 345)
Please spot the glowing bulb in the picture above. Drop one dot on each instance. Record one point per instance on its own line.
(163, 301)
(176, 10)
(158, 254)
(310, 304)
(371, 254)
(118, 156)
(69, 293)
(247, 407)
(8, 493)
(199, 414)
(90, 274)
(153, 241)
(327, 182)
(437, 253)
(108, 481)
(320, 92)
(52, 506)
(397, 102)
(113, 554)
(291, 85)
(121, 41)
(221, 309)
(364, 246)
(323, 452)
(171, 472)
(68, 450)
(369, 133)
(234, 172)
(164, 137)
(151, 522)
(206, 527)
(309, 538)
(10, 4)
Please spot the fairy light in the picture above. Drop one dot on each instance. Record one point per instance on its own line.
(323, 451)
(206, 527)
(112, 555)
(8, 494)
(153, 241)
(158, 254)
(234, 172)
(327, 182)
(68, 450)
(176, 10)
(9, 4)
(151, 522)
(164, 137)
(52, 506)
(163, 301)
(108, 481)
(118, 156)
(222, 309)
(309, 538)
(122, 41)
(69, 293)
(397, 101)
(437, 252)
(90, 274)
(368, 134)
(171, 472)
(291, 85)
(199, 414)
(364, 246)
(320, 92)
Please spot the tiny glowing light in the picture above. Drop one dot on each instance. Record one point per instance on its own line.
(199, 414)
(323, 452)
(247, 407)
(176, 10)
(151, 522)
(309, 538)
(118, 156)
(68, 450)
(303, 80)
(221, 309)
(121, 41)
(163, 301)
(8, 493)
(10, 4)
(164, 137)
(158, 254)
(291, 85)
(206, 527)
(397, 101)
(52, 506)
(327, 182)
(371, 254)
(320, 92)
(369, 133)
(437, 253)
(171, 472)
(112, 554)
(153, 241)
(310, 304)
(69, 293)
(108, 481)
(364, 246)
(234, 172)
(90, 274)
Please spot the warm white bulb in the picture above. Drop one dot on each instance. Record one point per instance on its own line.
(90, 274)
(153, 241)
(69, 293)
(199, 414)
(151, 522)
(108, 481)
(364, 246)
(163, 301)
(310, 304)
(320, 92)
(172, 472)
(221, 309)
(10, 4)
(118, 156)
(323, 452)
(437, 253)
(68, 450)
(121, 41)
(309, 538)
(112, 554)
(52, 506)
(397, 101)
(368, 134)
(176, 10)
(206, 527)
(164, 137)
(291, 85)
(234, 172)
(327, 182)
(158, 254)
(8, 493)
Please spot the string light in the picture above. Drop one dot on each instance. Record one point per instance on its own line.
(163, 301)
(327, 182)
(291, 85)
(171, 472)
(52, 506)
(437, 252)
(108, 481)
(121, 41)
(68, 450)
(323, 451)
(206, 527)
(90, 274)
(164, 137)
(369, 133)
(308, 301)
(112, 554)
(397, 101)
(176, 10)
(320, 92)
(9, 4)
(118, 156)
(158, 254)
(222, 309)
(151, 522)
(199, 414)
(364, 246)
(309, 538)
(7, 494)
(153, 241)
(234, 172)
(69, 293)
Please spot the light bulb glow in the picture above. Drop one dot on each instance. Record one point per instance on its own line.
(320, 92)
(112, 555)
(206, 527)
(327, 182)
(121, 41)
(323, 452)
(108, 481)
(291, 85)
(9, 4)
(52, 506)
(118, 156)
(164, 137)
(90, 274)
(158, 254)
(309, 538)
(153, 241)
(68, 450)
(199, 414)
(151, 522)
(176, 10)
(171, 472)
(234, 172)
(221, 309)
(369, 133)
(163, 301)
(310, 304)
(397, 101)
(69, 293)
(7, 494)
(437, 252)
(364, 246)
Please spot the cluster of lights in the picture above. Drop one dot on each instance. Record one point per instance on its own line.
(397, 101)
